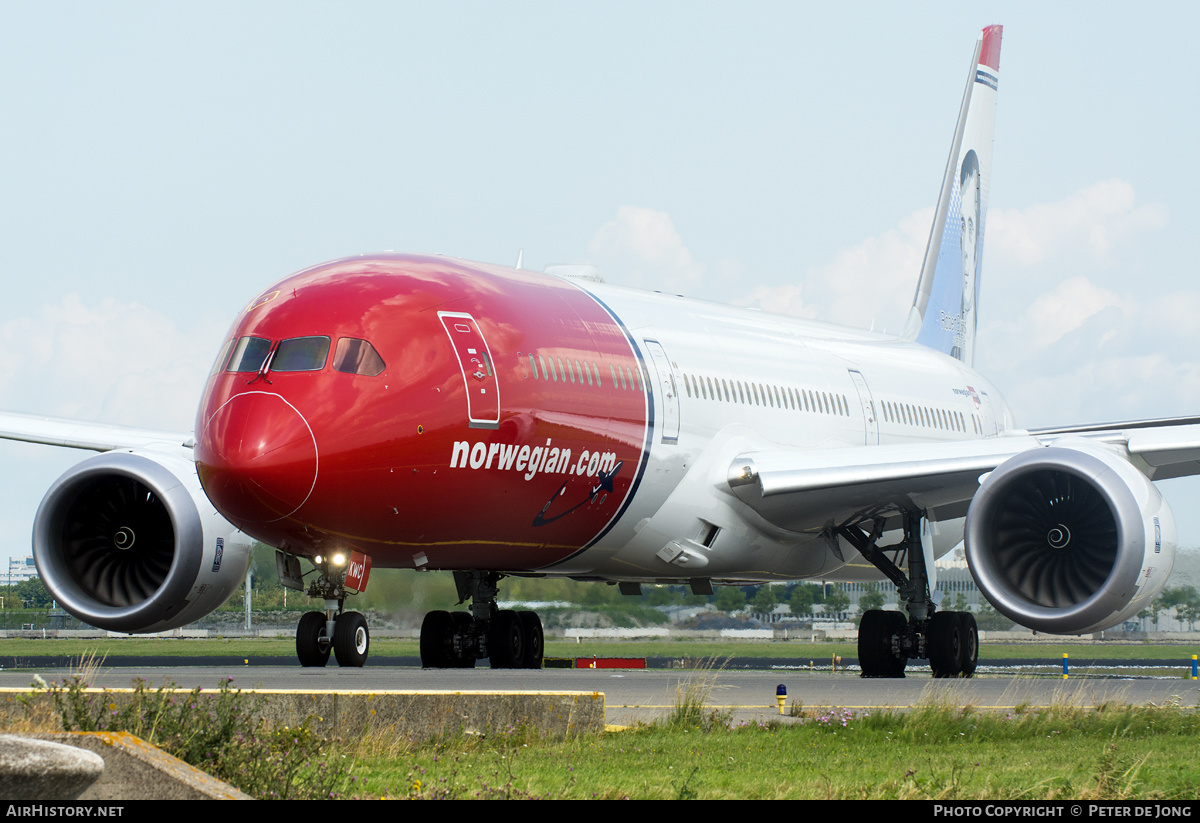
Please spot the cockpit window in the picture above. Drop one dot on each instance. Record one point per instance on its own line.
(301, 354)
(249, 354)
(222, 358)
(357, 357)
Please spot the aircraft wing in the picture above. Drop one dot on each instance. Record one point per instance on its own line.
(1162, 448)
(810, 490)
(99, 437)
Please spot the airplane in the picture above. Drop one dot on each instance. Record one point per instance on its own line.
(422, 412)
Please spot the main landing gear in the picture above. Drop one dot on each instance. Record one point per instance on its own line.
(887, 640)
(335, 630)
(455, 640)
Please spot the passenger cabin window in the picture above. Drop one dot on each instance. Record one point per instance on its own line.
(249, 354)
(354, 356)
(301, 354)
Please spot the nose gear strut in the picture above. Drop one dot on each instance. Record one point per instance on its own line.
(335, 630)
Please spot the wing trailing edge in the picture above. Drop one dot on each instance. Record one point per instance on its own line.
(808, 491)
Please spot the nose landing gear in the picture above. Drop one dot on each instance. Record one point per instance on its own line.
(334, 630)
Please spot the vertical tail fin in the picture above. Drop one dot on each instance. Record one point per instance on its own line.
(943, 314)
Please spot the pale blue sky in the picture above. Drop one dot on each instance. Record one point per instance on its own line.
(161, 163)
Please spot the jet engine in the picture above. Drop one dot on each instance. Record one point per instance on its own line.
(1069, 539)
(127, 541)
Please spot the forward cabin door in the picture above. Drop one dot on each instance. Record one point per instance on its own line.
(479, 374)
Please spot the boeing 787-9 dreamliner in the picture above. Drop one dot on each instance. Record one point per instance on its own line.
(421, 412)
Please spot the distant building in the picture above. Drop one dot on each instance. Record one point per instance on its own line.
(953, 578)
(20, 569)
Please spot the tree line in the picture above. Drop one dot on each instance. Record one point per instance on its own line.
(401, 592)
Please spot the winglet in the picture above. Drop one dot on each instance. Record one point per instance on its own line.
(943, 314)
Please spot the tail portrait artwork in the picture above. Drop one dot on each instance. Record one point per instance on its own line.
(944, 314)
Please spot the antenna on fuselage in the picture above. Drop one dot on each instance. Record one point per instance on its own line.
(520, 257)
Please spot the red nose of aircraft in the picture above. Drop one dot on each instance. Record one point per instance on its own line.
(257, 458)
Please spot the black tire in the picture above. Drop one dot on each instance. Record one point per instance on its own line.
(970, 638)
(874, 647)
(351, 640)
(875, 633)
(464, 657)
(535, 639)
(506, 640)
(945, 644)
(309, 648)
(436, 645)
(898, 626)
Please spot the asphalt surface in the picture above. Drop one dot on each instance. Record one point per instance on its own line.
(645, 695)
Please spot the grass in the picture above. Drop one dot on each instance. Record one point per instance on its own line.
(692, 697)
(220, 731)
(938, 752)
(941, 750)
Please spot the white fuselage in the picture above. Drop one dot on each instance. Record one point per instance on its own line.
(743, 381)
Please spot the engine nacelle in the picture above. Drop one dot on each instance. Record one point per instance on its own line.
(127, 541)
(1069, 539)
